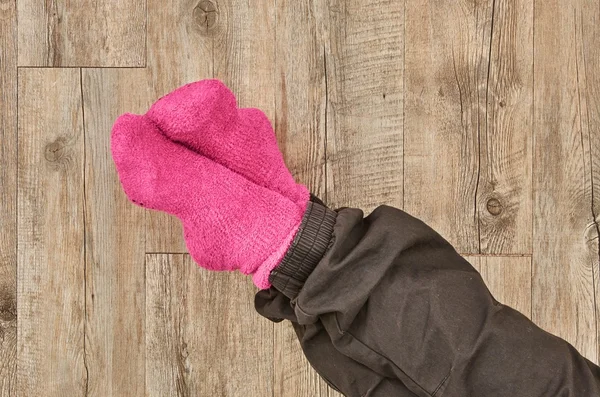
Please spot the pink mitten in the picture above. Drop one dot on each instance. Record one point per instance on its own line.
(203, 116)
(232, 219)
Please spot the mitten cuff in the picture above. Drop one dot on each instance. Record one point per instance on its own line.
(308, 247)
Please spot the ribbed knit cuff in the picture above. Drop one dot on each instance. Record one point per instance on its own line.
(307, 249)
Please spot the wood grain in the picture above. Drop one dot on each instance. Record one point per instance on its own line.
(504, 205)
(453, 109)
(300, 99)
(203, 336)
(180, 50)
(445, 66)
(589, 54)
(115, 287)
(508, 278)
(8, 196)
(565, 228)
(88, 33)
(468, 108)
(51, 259)
(231, 40)
(301, 91)
(244, 52)
(364, 103)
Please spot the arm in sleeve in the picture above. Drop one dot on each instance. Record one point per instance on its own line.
(341, 373)
(394, 296)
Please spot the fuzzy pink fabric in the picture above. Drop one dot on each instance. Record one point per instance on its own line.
(204, 117)
(224, 177)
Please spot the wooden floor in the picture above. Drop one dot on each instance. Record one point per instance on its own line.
(481, 117)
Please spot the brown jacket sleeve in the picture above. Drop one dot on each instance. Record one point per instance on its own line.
(391, 295)
(341, 372)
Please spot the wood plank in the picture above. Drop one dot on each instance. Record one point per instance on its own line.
(445, 64)
(51, 355)
(115, 231)
(244, 58)
(508, 278)
(300, 124)
(364, 103)
(504, 205)
(89, 33)
(8, 197)
(232, 41)
(176, 28)
(566, 162)
(301, 91)
(590, 24)
(244, 52)
(468, 122)
(203, 336)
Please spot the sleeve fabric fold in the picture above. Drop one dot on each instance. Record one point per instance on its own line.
(387, 307)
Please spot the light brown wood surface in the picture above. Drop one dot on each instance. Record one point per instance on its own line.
(203, 337)
(468, 129)
(480, 117)
(51, 343)
(364, 75)
(8, 197)
(82, 33)
(565, 185)
(114, 247)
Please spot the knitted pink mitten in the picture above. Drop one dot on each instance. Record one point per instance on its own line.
(230, 220)
(203, 116)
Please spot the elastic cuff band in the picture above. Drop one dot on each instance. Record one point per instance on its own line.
(307, 249)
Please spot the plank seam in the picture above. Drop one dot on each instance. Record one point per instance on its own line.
(85, 258)
(404, 105)
(17, 218)
(533, 149)
(529, 255)
(487, 94)
(326, 192)
(79, 67)
(166, 253)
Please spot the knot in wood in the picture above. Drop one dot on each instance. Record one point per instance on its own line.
(592, 233)
(55, 151)
(205, 14)
(8, 314)
(494, 206)
(7, 8)
(8, 306)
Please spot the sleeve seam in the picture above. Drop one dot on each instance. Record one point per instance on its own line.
(342, 333)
